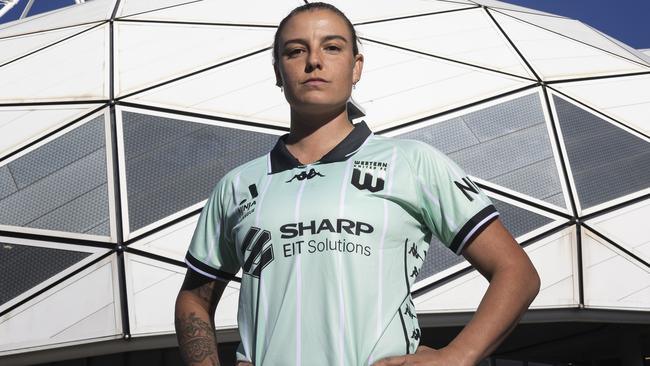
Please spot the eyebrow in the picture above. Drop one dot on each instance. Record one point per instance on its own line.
(325, 39)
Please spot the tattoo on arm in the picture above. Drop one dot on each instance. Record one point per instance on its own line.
(197, 339)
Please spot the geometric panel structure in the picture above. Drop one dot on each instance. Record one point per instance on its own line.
(554, 56)
(556, 262)
(413, 76)
(243, 90)
(19, 126)
(444, 34)
(249, 12)
(85, 306)
(606, 161)
(61, 185)
(502, 5)
(24, 267)
(78, 75)
(576, 30)
(506, 144)
(42, 6)
(14, 47)
(611, 278)
(171, 242)
(172, 164)
(552, 256)
(518, 220)
(625, 99)
(386, 9)
(148, 53)
(152, 287)
(90, 11)
(627, 227)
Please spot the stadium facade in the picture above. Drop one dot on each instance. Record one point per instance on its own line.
(118, 117)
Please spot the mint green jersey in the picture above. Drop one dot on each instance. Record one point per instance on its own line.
(329, 250)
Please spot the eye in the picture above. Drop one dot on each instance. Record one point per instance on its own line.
(294, 52)
(332, 48)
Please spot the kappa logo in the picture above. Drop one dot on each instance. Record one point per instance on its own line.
(258, 256)
(306, 175)
(371, 179)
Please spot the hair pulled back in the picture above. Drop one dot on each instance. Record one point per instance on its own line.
(312, 7)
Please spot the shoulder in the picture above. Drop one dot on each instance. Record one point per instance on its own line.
(412, 150)
(255, 167)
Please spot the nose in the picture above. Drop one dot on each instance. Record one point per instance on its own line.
(314, 61)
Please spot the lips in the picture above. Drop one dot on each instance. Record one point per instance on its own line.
(314, 81)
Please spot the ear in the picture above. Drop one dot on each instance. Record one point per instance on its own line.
(278, 77)
(357, 68)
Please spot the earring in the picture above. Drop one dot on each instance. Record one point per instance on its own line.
(354, 85)
(281, 89)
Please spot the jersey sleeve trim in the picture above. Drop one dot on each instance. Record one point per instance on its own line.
(202, 268)
(472, 228)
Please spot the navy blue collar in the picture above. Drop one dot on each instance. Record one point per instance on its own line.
(281, 158)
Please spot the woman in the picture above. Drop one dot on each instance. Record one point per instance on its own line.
(331, 227)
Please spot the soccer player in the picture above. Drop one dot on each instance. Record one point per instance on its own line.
(332, 226)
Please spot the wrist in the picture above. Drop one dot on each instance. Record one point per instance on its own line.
(462, 356)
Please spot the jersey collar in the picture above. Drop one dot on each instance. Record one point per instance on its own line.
(281, 159)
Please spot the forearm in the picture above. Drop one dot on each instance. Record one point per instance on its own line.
(508, 296)
(195, 332)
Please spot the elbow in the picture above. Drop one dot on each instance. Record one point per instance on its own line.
(533, 283)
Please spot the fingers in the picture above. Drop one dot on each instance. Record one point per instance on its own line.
(244, 363)
(391, 361)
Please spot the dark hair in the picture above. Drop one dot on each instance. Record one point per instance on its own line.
(312, 7)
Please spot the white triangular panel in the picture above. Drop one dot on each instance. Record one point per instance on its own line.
(420, 86)
(554, 57)
(573, 29)
(643, 57)
(235, 12)
(555, 260)
(51, 318)
(468, 36)
(131, 7)
(646, 52)
(625, 99)
(553, 257)
(242, 90)
(101, 319)
(508, 6)
(612, 279)
(151, 53)
(461, 294)
(369, 10)
(88, 12)
(70, 74)
(152, 290)
(171, 242)
(19, 126)
(628, 228)
(14, 47)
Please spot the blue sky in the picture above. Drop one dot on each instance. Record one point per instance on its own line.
(625, 20)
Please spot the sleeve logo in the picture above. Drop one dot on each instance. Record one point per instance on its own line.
(466, 187)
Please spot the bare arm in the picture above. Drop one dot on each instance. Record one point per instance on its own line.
(514, 283)
(194, 319)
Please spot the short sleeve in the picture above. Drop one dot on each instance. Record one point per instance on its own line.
(211, 252)
(453, 207)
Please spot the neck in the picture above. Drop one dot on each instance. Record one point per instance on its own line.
(313, 135)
